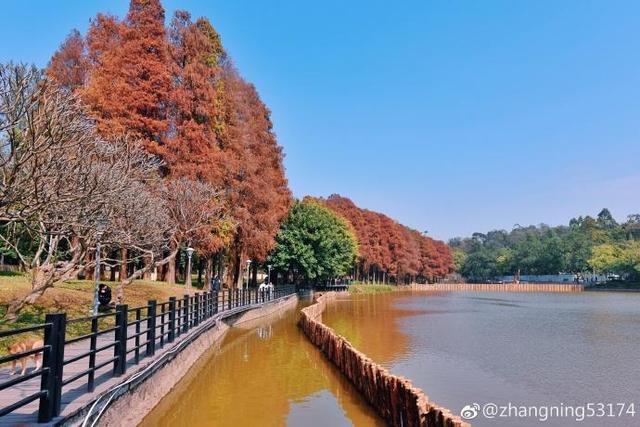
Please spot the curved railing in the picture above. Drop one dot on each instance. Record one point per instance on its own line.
(109, 343)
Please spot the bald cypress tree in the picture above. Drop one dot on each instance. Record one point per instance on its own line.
(69, 65)
(130, 85)
(177, 90)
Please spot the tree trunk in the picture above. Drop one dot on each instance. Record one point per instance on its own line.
(237, 265)
(171, 271)
(123, 264)
(147, 268)
(221, 271)
(200, 270)
(208, 272)
(120, 292)
(18, 304)
(40, 282)
(254, 274)
(89, 271)
(162, 273)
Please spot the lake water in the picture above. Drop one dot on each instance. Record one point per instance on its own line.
(266, 375)
(523, 349)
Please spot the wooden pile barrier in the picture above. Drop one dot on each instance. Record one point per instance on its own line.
(500, 287)
(394, 398)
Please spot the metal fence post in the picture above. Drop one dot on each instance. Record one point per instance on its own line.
(172, 319)
(120, 349)
(205, 306)
(52, 365)
(196, 309)
(209, 304)
(163, 311)
(93, 343)
(185, 314)
(151, 328)
(137, 343)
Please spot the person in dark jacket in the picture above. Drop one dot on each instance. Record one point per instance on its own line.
(215, 284)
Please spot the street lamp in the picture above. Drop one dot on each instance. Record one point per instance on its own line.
(187, 281)
(269, 274)
(100, 226)
(248, 264)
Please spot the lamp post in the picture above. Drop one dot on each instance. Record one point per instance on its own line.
(248, 265)
(269, 274)
(100, 226)
(187, 281)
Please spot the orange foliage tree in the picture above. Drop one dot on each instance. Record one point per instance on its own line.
(176, 89)
(389, 251)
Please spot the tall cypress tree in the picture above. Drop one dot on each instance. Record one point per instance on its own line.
(129, 87)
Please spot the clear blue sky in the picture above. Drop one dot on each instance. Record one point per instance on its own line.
(449, 116)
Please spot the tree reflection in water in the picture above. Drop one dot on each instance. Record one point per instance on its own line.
(269, 375)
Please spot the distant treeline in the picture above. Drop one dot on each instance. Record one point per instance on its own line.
(587, 244)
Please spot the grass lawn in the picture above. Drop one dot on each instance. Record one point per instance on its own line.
(75, 298)
(371, 289)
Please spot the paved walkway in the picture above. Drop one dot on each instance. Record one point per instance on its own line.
(75, 395)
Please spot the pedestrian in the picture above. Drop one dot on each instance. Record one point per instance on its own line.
(215, 283)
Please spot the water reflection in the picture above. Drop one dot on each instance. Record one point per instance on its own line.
(264, 332)
(267, 376)
(372, 324)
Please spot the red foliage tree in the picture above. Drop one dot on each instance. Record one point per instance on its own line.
(177, 91)
(129, 87)
(389, 250)
(259, 197)
(69, 65)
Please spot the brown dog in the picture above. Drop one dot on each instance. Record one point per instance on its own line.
(22, 346)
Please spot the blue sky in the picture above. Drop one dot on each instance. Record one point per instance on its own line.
(450, 117)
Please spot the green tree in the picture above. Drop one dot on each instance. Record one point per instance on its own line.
(504, 261)
(584, 245)
(605, 258)
(481, 265)
(459, 258)
(314, 243)
(622, 259)
(606, 220)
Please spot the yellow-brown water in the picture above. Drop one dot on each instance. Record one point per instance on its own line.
(266, 376)
(371, 322)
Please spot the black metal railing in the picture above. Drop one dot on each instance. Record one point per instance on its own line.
(126, 336)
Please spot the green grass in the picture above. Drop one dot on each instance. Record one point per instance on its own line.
(75, 298)
(370, 289)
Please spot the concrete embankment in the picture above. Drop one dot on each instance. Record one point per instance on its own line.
(141, 391)
(503, 287)
(395, 399)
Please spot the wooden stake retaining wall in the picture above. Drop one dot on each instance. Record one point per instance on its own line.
(394, 398)
(503, 287)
